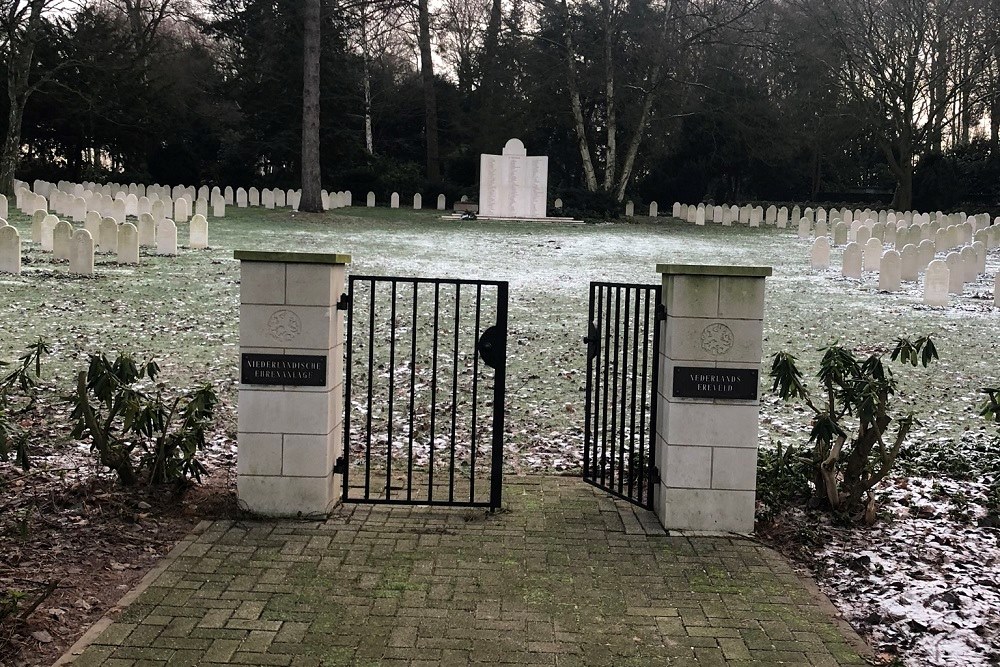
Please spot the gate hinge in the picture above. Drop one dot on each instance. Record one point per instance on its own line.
(344, 302)
(661, 312)
(655, 472)
(340, 466)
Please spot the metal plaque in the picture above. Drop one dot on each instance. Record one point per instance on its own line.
(738, 384)
(292, 370)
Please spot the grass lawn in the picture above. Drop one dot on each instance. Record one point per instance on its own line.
(184, 311)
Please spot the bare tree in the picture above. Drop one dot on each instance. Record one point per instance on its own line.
(892, 58)
(21, 29)
(676, 28)
(430, 96)
(312, 200)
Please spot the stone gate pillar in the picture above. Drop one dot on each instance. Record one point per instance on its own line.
(291, 381)
(707, 409)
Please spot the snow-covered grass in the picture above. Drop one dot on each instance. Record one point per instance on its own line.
(184, 311)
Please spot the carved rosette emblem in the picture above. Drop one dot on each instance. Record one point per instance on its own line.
(717, 339)
(284, 326)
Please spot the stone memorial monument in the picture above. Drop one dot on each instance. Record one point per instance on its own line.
(513, 185)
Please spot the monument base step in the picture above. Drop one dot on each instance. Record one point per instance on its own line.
(496, 218)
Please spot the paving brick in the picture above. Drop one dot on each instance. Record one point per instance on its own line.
(565, 576)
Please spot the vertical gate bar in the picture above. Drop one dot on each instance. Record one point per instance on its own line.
(346, 454)
(586, 400)
(392, 388)
(596, 411)
(604, 402)
(413, 391)
(371, 386)
(655, 391)
(643, 444)
(624, 414)
(475, 387)
(454, 393)
(614, 388)
(499, 398)
(434, 380)
(635, 386)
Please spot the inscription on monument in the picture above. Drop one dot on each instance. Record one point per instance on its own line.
(738, 384)
(293, 370)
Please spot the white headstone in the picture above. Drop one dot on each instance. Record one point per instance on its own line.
(147, 230)
(629, 209)
(128, 244)
(241, 198)
(699, 215)
(909, 263)
(61, 237)
(771, 215)
(201, 207)
(805, 230)
(81, 254)
(889, 275)
(956, 273)
(441, 202)
(852, 261)
(418, 201)
(10, 250)
(840, 232)
(676, 210)
(782, 220)
(820, 255)
(717, 214)
(267, 198)
(166, 237)
(980, 248)
(370, 199)
(821, 229)
(198, 233)
(653, 209)
(394, 200)
(872, 255)
(219, 208)
(863, 235)
(49, 223)
(936, 282)
(996, 289)
(108, 236)
(3, 207)
(253, 197)
(557, 203)
(182, 209)
(228, 195)
(969, 264)
(158, 210)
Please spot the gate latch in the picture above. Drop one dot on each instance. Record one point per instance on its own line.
(340, 467)
(344, 301)
(593, 341)
(489, 347)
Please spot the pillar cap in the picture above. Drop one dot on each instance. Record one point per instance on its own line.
(710, 270)
(292, 257)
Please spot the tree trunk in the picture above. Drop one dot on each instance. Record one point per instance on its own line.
(430, 97)
(312, 199)
(11, 156)
(21, 51)
(579, 125)
(611, 165)
(366, 64)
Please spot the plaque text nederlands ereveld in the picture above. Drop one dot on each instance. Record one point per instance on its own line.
(738, 384)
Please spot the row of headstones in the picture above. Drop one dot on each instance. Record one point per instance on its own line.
(240, 197)
(755, 215)
(107, 236)
(893, 267)
(899, 234)
(120, 208)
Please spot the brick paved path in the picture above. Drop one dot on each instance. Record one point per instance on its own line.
(564, 576)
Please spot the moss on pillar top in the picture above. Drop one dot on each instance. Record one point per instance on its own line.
(292, 257)
(709, 270)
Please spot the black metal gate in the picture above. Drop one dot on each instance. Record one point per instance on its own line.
(623, 352)
(424, 397)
